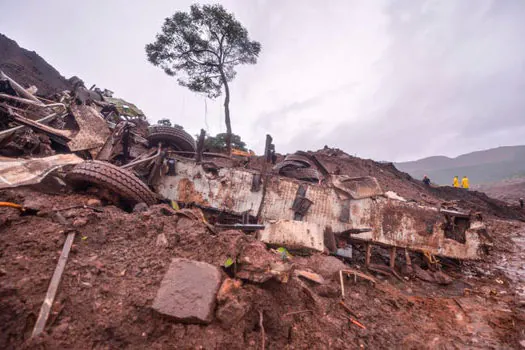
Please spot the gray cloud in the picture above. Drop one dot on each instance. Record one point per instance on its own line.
(390, 80)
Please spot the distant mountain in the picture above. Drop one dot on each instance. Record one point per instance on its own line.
(28, 68)
(486, 166)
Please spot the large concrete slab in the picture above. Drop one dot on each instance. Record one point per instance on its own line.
(188, 291)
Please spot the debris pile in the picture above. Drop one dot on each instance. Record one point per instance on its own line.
(117, 233)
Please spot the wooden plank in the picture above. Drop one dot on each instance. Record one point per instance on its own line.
(368, 254)
(392, 257)
(53, 286)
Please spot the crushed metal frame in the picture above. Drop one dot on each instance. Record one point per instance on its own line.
(352, 208)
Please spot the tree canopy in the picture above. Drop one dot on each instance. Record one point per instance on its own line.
(202, 47)
(164, 121)
(217, 143)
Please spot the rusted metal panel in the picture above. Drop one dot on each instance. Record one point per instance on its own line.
(393, 222)
(93, 129)
(415, 227)
(230, 190)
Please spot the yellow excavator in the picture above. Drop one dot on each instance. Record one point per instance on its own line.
(239, 153)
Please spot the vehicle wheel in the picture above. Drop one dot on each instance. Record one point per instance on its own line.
(175, 137)
(111, 177)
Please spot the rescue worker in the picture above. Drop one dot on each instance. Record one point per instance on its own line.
(521, 203)
(464, 182)
(455, 182)
(426, 180)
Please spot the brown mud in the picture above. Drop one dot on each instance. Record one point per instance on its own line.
(119, 258)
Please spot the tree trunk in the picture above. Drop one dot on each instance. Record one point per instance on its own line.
(227, 113)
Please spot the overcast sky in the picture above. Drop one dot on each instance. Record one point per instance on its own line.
(388, 80)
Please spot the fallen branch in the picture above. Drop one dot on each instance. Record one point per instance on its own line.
(342, 284)
(297, 312)
(357, 323)
(348, 309)
(360, 274)
(263, 346)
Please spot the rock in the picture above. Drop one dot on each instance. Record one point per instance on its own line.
(80, 222)
(185, 223)
(188, 291)
(326, 266)
(162, 241)
(258, 265)
(94, 202)
(422, 274)
(140, 207)
(442, 278)
(328, 291)
(228, 288)
(231, 312)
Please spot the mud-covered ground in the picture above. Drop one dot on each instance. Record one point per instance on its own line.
(509, 190)
(119, 258)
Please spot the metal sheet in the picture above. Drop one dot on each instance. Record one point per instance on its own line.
(393, 222)
(230, 190)
(93, 132)
(19, 172)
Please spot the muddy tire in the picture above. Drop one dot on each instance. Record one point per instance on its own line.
(175, 137)
(110, 177)
(306, 174)
(300, 159)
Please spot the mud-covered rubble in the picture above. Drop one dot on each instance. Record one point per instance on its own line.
(116, 268)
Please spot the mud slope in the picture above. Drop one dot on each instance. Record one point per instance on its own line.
(117, 263)
(28, 68)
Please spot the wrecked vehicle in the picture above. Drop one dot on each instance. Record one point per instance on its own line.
(111, 132)
(299, 204)
(303, 215)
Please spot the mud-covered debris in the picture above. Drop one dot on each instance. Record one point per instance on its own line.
(161, 241)
(438, 277)
(231, 308)
(94, 202)
(311, 276)
(140, 207)
(326, 266)
(256, 264)
(80, 222)
(188, 291)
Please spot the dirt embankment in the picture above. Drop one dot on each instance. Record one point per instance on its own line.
(119, 258)
(28, 68)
